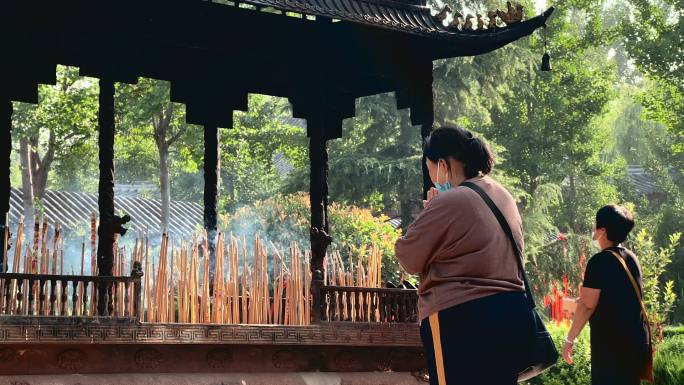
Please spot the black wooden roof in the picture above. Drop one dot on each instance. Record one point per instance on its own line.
(214, 54)
(409, 16)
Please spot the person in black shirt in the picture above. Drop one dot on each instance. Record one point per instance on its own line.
(619, 345)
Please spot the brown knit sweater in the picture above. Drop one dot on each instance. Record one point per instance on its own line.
(459, 250)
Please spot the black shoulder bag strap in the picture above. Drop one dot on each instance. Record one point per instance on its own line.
(507, 229)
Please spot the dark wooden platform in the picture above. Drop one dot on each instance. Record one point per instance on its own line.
(101, 330)
(44, 345)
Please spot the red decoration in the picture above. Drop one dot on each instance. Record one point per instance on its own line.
(554, 307)
(582, 263)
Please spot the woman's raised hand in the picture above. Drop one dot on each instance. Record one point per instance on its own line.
(431, 194)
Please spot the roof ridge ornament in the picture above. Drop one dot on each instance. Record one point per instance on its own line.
(456, 22)
(492, 19)
(468, 25)
(513, 15)
(480, 22)
(442, 15)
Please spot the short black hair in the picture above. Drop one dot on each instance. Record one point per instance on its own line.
(460, 144)
(617, 220)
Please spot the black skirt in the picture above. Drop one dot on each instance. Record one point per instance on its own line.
(479, 342)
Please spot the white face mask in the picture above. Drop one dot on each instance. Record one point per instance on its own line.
(596, 243)
(442, 187)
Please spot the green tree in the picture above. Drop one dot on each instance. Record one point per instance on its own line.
(145, 111)
(59, 130)
(283, 219)
(648, 143)
(554, 144)
(652, 31)
(659, 297)
(264, 138)
(379, 157)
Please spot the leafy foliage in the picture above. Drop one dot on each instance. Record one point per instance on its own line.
(62, 129)
(668, 366)
(283, 219)
(248, 151)
(659, 298)
(652, 31)
(672, 331)
(563, 374)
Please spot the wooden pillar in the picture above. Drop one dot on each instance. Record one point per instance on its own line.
(5, 154)
(106, 230)
(320, 226)
(211, 188)
(424, 106)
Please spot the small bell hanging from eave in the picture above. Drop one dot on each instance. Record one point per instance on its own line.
(546, 58)
(546, 62)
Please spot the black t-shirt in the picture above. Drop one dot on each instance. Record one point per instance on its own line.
(617, 326)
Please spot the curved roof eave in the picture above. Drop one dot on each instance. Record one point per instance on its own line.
(480, 42)
(408, 17)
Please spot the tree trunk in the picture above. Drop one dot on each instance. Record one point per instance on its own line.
(161, 131)
(531, 188)
(406, 217)
(405, 190)
(164, 187)
(41, 167)
(26, 179)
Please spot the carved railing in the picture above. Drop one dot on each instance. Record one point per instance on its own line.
(362, 304)
(77, 296)
(24, 294)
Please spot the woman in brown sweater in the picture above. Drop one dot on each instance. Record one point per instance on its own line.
(471, 295)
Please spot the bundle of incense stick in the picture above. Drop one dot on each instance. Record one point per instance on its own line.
(368, 274)
(250, 282)
(246, 286)
(40, 256)
(37, 257)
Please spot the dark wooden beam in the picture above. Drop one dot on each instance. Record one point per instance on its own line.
(106, 230)
(421, 101)
(5, 155)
